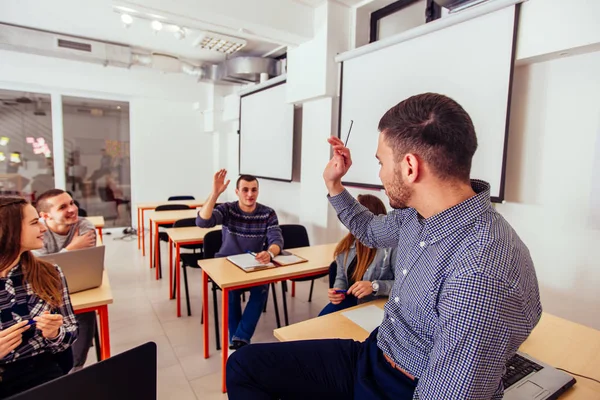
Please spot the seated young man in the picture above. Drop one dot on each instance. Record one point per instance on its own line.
(465, 294)
(247, 226)
(66, 231)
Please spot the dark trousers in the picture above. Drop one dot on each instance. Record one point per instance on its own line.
(315, 369)
(28, 373)
(349, 301)
(85, 337)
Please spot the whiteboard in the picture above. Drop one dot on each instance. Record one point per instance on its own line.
(471, 62)
(267, 134)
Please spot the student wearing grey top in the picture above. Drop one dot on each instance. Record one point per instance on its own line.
(364, 273)
(66, 231)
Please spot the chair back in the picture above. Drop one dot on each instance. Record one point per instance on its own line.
(173, 198)
(185, 223)
(212, 243)
(294, 236)
(170, 207)
(332, 273)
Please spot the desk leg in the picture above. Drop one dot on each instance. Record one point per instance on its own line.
(293, 289)
(205, 311)
(104, 332)
(178, 278)
(100, 234)
(225, 342)
(143, 236)
(138, 228)
(156, 251)
(150, 245)
(170, 269)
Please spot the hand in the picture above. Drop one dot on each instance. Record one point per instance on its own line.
(263, 257)
(219, 183)
(49, 324)
(361, 289)
(84, 241)
(335, 298)
(337, 167)
(12, 337)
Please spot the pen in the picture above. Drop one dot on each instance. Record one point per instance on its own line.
(349, 130)
(251, 253)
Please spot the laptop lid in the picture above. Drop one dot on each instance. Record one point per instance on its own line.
(83, 268)
(126, 376)
(547, 383)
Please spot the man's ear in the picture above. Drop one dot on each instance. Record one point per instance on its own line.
(412, 166)
(44, 215)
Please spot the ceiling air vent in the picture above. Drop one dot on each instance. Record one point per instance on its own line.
(69, 44)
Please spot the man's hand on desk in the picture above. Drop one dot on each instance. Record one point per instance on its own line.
(263, 257)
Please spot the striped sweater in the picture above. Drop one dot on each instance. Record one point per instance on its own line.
(242, 231)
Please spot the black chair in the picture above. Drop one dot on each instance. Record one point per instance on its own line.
(296, 236)
(162, 236)
(212, 243)
(332, 273)
(188, 259)
(172, 198)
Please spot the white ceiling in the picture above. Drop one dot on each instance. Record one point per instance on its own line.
(97, 19)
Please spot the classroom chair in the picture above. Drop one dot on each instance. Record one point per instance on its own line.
(189, 259)
(212, 243)
(172, 198)
(162, 236)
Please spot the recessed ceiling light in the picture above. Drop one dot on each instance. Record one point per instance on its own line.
(179, 33)
(157, 25)
(127, 19)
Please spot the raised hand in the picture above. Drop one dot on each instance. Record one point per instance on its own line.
(338, 166)
(219, 183)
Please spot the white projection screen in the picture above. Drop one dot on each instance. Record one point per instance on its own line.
(472, 62)
(267, 134)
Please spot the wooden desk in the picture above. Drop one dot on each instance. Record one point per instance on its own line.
(96, 299)
(180, 237)
(98, 223)
(230, 277)
(164, 217)
(554, 340)
(141, 207)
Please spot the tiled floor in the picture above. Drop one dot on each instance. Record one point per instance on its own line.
(143, 312)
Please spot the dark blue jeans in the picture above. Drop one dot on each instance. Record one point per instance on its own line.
(242, 325)
(349, 301)
(315, 369)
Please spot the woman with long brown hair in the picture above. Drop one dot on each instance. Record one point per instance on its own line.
(36, 317)
(363, 274)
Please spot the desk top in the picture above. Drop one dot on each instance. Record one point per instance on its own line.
(226, 274)
(98, 221)
(189, 234)
(163, 217)
(153, 205)
(554, 340)
(93, 297)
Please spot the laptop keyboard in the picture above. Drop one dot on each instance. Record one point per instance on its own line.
(517, 368)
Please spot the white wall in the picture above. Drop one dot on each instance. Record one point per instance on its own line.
(403, 20)
(167, 138)
(554, 127)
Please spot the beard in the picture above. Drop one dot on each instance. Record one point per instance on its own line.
(398, 193)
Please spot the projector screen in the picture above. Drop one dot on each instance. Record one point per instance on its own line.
(471, 62)
(267, 134)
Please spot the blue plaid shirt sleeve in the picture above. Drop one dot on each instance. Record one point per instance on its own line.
(375, 231)
(472, 339)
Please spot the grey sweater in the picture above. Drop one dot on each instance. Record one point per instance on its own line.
(55, 243)
(380, 270)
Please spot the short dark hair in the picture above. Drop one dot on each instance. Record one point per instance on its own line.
(437, 129)
(42, 204)
(247, 178)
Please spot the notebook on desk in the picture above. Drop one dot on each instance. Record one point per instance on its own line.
(248, 263)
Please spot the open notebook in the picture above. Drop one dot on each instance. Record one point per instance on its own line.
(248, 263)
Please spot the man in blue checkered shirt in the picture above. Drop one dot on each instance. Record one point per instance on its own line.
(465, 295)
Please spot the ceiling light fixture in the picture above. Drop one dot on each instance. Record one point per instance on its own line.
(2, 156)
(126, 19)
(4, 141)
(220, 43)
(179, 33)
(157, 25)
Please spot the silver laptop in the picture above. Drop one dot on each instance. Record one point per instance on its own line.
(529, 379)
(82, 268)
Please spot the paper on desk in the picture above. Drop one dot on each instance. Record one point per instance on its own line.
(368, 317)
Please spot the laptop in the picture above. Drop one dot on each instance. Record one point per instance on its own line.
(126, 376)
(83, 268)
(529, 379)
